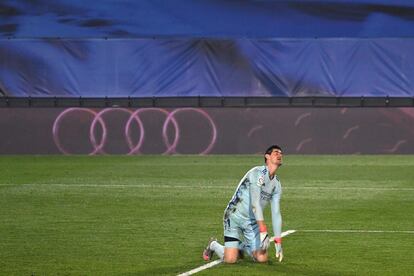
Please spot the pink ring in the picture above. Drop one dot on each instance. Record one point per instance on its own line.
(56, 126)
(172, 147)
(98, 116)
(135, 149)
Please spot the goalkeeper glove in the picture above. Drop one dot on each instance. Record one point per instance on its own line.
(264, 238)
(278, 248)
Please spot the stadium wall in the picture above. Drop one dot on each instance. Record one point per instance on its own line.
(156, 130)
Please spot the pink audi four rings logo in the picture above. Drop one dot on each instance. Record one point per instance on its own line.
(134, 118)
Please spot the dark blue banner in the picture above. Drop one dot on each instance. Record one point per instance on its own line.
(196, 67)
(181, 48)
(206, 18)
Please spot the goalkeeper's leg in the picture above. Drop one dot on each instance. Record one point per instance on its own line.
(213, 247)
(252, 240)
(229, 255)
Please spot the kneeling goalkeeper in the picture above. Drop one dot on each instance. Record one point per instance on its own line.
(244, 226)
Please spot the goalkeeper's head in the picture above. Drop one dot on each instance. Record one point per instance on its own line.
(273, 154)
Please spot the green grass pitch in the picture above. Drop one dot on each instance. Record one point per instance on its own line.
(152, 215)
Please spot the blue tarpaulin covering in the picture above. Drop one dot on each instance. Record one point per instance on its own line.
(206, 18)
(206, 48)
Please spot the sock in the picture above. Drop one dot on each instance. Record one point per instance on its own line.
(218, 249)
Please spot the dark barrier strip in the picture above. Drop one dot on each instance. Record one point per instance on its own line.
(10, 102)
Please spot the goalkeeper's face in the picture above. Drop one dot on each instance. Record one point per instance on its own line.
(275, 157)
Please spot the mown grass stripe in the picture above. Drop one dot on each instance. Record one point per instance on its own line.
(203, 186)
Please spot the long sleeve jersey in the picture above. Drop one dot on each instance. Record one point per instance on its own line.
(253, 193)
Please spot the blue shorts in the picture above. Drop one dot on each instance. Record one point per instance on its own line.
(238, 230)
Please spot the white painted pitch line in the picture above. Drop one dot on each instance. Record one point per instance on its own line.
(203, 186)
(356, 231)
(201, 268)
(216, 262)
(352, 188)
(284, 234)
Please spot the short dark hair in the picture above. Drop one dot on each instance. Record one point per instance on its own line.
(270, 149)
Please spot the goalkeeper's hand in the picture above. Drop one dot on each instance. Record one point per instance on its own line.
(264, 238)
(278, 248)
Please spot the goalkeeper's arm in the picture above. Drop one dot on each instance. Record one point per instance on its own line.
(255, 189)
(277, 225)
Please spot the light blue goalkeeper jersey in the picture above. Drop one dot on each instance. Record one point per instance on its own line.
(253, 193)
